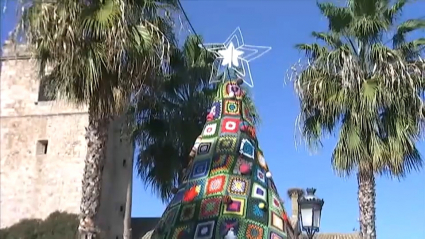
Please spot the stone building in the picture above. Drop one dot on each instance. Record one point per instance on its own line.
(43, 150)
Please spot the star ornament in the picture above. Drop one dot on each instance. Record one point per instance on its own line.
(234, 55)
(230, 56)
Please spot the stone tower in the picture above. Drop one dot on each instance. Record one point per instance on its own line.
(43, 149)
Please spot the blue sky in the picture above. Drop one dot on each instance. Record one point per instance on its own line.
(281, 24)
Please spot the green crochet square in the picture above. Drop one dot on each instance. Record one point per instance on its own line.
(254, 230)
(255, 213)
(222, 164)
(226, 144)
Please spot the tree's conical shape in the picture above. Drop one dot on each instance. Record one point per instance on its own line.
(227, 191)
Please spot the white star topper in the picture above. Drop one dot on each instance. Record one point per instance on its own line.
(237, 58)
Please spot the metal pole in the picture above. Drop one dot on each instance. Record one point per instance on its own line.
(310, 235)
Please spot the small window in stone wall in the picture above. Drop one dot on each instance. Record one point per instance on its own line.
(43, 94)
(41, 148)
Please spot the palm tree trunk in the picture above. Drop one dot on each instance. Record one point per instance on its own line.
(127, 216)
(97, 138)
(366, 197)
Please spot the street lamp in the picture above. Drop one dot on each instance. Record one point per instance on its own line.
(310, 208)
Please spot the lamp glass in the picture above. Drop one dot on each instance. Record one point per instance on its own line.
(316, 217)
(307, 216)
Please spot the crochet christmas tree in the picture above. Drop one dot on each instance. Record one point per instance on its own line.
(227, 191)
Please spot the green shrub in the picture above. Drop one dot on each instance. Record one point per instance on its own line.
(59, 225)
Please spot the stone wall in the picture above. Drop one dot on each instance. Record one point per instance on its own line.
(43, 149)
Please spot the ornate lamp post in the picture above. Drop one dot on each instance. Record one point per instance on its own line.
(310, 208)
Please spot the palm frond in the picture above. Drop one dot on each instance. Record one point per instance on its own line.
(368, 93)
(369, 28)
(339, 18)
(412, 50)
(330, 39)
(100, 51)
(249, 102)
(407, 27)
(172, 114)
(391, 13)
(365, 8)
(312, 51)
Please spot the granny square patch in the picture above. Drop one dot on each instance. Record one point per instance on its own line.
(182, 232)
(215, 185)
(261, 160)
(247, 148)
(204, 230)
(161, 227)
(222, 164)
(254, 231)
(276, 235)
(171, 215)
(216, 110)
(210, 207)
(281, 203)
(230, 125)
(200, 168)
(261, 176)
(228, 226)
(232, 107)
(240, 161)
(255, 213)
(232, 90)
(274, 202)
(204, 148)
(194, 190)
(226, 144)
(210, 130)
(187, 212)
(272, 185)
(259, 192)
(276, 221)
(236, 207)
(238, 186)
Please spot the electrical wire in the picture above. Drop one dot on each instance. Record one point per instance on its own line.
(194, 31)
(190, 24)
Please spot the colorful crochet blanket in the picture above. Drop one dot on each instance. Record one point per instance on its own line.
(227, 191)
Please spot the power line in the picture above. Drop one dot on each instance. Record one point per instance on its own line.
(190, 24)
(194, 31)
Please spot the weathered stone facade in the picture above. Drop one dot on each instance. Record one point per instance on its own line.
(43, 149)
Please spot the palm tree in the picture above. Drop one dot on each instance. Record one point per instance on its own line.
(100, 52)
(171, 116)
(367, 91)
